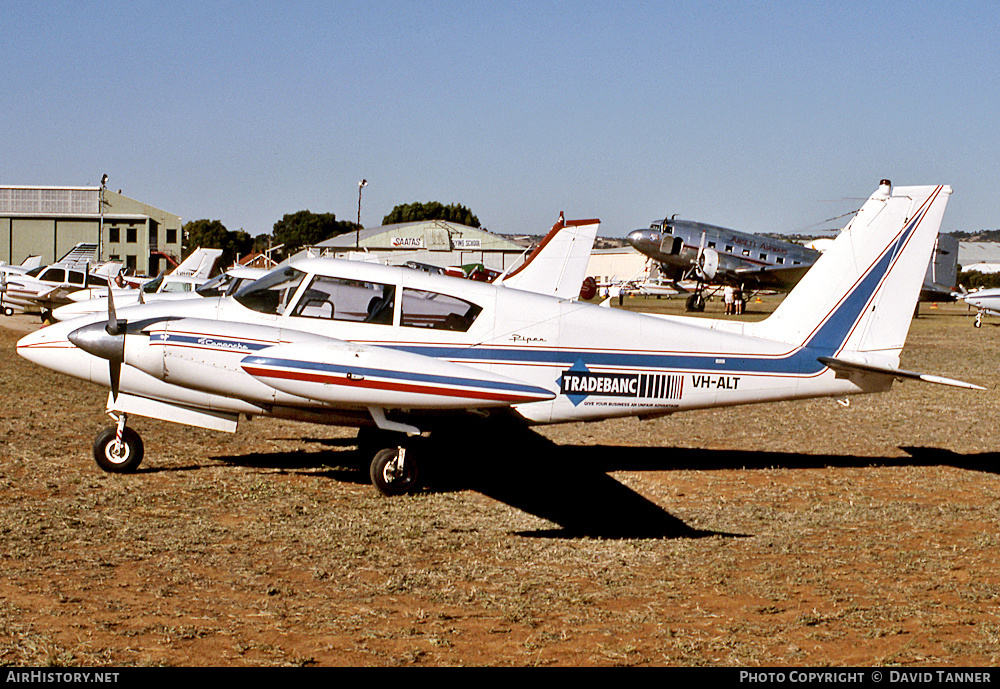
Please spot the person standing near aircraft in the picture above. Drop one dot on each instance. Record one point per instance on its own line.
(728, 297)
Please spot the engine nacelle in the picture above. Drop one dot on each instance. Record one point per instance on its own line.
(706, 265)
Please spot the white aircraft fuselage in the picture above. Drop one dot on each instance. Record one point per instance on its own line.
(364, 344)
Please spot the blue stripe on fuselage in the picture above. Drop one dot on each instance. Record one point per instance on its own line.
(297, 364)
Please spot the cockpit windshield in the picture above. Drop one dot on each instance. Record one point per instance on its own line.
(151, 286)
(216, 287)
(271, 293)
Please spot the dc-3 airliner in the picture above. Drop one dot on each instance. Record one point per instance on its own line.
(402, 354)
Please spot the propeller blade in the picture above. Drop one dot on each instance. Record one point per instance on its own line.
(115, 373)
(113, 326)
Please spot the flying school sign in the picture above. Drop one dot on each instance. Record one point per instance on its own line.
(579, 382)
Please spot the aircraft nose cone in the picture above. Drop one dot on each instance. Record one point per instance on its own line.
(94, 339)
(643, 238)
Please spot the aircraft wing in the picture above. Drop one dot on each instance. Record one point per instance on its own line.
(773, 277)
(848, 366)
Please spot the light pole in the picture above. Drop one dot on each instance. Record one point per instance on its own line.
(100, 227)
(357, 235)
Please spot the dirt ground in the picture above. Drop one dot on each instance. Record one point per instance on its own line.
(793, 534)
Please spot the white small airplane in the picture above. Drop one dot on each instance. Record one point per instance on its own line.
(45, 288)
(33, 286)
(175, 288)
(986, 301)
(401, 353)
(193, 271)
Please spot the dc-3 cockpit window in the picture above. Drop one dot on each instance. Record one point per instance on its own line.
(340, 299)
(431, 310)
(272, 292)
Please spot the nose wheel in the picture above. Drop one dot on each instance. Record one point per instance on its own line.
(118, 449)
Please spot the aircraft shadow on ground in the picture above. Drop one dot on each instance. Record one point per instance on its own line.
(570, 485)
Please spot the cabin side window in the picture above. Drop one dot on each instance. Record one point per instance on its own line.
(423, 309)
(339, 299)
(54, 275)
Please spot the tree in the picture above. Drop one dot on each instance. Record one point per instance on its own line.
(212, 234)
(433, 210)
(305, 228)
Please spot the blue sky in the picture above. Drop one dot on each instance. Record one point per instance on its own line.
(757, 116)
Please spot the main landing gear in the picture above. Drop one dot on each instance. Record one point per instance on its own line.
(696, 302)
(118, 449)
(394, 467)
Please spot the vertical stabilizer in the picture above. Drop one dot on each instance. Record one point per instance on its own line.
(861, 294)
(199, 264)
(558, 265)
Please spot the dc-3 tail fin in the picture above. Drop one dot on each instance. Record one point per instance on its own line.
(558, 265)
(854, 306)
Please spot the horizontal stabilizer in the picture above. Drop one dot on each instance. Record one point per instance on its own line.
(849, 366)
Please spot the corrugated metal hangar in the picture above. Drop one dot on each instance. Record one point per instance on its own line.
(434, 242)
(49, 221)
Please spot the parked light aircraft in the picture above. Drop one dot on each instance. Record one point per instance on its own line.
(195, 270)
(221, 285)
(7, 271)
(716, 255)
(986, 301)
(45, 288)
(27, 286)
(401, 353)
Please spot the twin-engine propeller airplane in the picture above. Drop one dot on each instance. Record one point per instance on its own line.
(707, 254)
(710, 255)
(401, 353)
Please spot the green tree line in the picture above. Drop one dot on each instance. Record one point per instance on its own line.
(304, 228)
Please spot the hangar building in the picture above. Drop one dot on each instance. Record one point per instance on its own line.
(983, 257)
(434, 242)
(49, 221)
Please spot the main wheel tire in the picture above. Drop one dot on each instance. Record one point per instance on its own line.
(105, 450)
(389, 480)
(696, 302)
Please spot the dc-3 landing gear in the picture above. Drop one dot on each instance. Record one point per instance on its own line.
(118, 449)
(696, 302)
